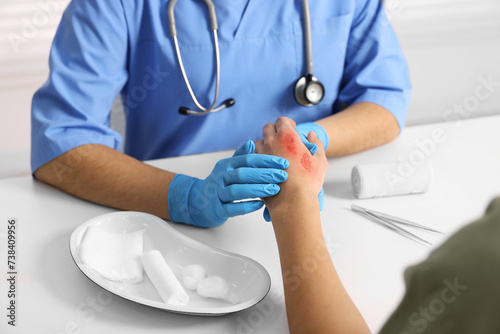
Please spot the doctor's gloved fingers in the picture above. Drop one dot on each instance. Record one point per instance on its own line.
(267, 215)
(321, 197)
(304, 129)
(241, 208)
(249, 175)
(310, 146)
(238, 192)
(247, 147)
(256, 160)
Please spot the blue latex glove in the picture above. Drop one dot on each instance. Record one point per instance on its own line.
(210, 202)
(303, 130)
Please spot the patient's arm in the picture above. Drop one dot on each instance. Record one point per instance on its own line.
(360, 127)
(316, 301)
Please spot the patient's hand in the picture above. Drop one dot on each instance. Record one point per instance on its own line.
(306, 172)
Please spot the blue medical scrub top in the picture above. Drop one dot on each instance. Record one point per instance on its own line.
(105, 48)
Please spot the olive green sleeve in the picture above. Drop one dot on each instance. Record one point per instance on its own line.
(457, 289)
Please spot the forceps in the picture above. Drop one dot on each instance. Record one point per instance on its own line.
(392, 222)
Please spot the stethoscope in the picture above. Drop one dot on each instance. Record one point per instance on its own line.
(308, 90)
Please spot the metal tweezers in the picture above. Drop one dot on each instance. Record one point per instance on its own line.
(392, 222)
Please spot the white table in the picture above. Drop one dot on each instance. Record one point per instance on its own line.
(54, 297)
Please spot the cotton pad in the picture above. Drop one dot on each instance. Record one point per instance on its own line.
(216, 287)
(114, 256)
(192, 275)
(163, 279)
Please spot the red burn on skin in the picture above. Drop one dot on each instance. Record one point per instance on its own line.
(289, 143)
(305, 160)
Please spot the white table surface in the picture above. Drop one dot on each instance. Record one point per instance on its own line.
(54, 296)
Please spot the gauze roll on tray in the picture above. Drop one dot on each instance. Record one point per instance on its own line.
(390, 179)
(194, 277)
(163, 279)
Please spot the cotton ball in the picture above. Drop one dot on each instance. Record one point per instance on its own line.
(216, 287)
(191, 275)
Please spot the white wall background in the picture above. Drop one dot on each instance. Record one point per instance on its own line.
(26, 31)
(449, 44)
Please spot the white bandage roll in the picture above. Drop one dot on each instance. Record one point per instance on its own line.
(163, 279)
(391, 179)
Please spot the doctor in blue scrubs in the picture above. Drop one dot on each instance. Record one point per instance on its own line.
(162, 55)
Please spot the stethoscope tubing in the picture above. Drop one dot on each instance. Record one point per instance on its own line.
(217, 76)
(302, 87)
(307, 37)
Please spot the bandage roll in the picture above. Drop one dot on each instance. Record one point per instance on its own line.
(163, 279)
(391, 179)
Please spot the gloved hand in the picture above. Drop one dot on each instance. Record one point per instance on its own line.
(210, 202)
(303, 130)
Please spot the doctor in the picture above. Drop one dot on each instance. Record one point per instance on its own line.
(197, 76)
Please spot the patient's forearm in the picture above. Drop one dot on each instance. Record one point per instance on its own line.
(102, 175)
(316, 301)
(360, 127)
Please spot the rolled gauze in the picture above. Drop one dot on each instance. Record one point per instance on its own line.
(390, 179)
(163, 279)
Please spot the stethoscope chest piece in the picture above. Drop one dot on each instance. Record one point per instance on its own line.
(309, 91)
